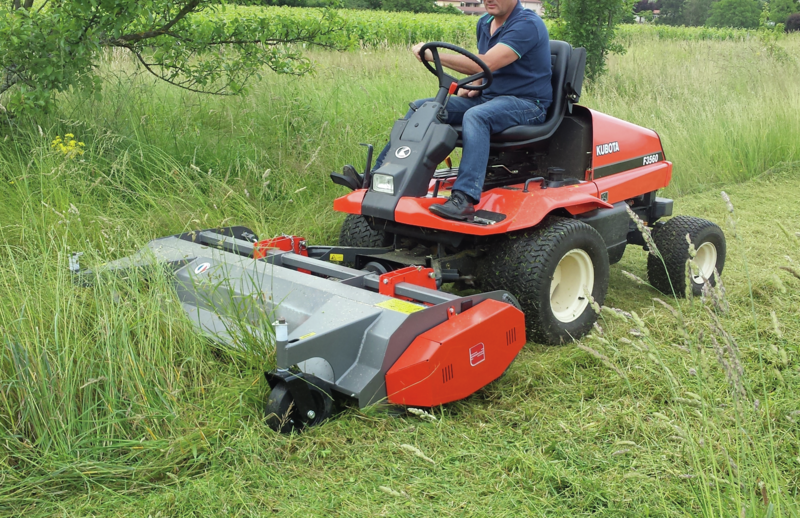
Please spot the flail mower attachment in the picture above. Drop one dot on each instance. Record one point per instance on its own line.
(339, 333)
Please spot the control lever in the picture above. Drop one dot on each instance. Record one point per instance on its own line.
(450, 91)
(368, 168)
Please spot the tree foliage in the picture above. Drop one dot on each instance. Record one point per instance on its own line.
(552, 9)
(590, 24)
(735, 13)
(779, 10)
(58, 45)
(415, 6)
(671, 12)
(696, 12)
(287, 3)
(646, 5)
(693, 13)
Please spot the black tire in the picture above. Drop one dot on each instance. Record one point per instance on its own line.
(357, 232)
(670, 239)
(284, 417)
(525, 264)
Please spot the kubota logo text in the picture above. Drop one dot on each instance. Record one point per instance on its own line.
(604, 149)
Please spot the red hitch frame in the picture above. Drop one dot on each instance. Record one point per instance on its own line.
(411, 274)
(294, 244)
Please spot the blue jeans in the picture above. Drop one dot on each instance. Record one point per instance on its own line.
(480, 119)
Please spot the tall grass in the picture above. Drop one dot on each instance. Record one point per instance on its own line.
(634, 34)
(111, 403)
(725, 111)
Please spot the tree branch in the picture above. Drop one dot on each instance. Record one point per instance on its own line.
(148, 67)
(10, 79)
(130, 38)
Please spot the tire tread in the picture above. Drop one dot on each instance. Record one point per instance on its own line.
(670, 239)
(357, 232)
(519, 266)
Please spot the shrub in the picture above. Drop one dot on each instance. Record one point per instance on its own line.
(735, 13)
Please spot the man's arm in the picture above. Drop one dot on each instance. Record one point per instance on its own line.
(497, 57)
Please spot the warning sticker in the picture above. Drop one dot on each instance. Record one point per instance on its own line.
(309, 335)
(401, 306)
(337, 258)
(477, 353)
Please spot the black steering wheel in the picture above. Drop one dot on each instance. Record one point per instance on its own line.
(446, 80)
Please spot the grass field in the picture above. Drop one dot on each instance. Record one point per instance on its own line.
(111, 405)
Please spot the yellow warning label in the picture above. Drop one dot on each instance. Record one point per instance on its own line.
(309, 335)
(401, 306)
(337, 258)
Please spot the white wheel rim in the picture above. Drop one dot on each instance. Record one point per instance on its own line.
(706, 260)
(573, 282)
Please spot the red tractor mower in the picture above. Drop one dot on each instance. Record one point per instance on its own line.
(553, 215)
(367, 322)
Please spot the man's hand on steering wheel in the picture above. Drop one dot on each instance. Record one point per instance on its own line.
(416, 48)
(429, 57)
(462, 61)
(470, 93)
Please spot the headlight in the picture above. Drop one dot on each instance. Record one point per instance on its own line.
(383, 183)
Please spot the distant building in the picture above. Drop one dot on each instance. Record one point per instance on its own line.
(476, 7)
(642, 18)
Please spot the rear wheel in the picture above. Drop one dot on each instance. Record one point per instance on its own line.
(670, 238)
(357, 232)
(551, 270)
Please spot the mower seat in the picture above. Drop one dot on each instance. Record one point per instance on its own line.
(568, 67)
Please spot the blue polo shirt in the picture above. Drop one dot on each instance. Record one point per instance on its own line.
(529, 76)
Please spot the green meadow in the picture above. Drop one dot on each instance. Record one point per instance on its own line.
(112, 405)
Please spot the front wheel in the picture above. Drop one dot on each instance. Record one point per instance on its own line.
(282, 415)
(357, 232)
(553, 270)
(668, 273)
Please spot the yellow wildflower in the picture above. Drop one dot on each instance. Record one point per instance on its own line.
(68, 146)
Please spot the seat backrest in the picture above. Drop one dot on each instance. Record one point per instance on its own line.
(574, 79)
(560, 52)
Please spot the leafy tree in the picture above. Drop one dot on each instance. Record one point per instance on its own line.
(735, 13)
(288, 3)
(590, 24)
(779, 10)
(684, 12)
(672, 12)
(57, 46)
(646, 5)
(362, 4)
(415, 6)
(626, 15)
(552, 9)
(696, 12)
(448, 9)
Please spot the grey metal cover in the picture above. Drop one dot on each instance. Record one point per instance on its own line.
(339, 330)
